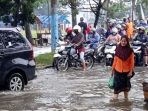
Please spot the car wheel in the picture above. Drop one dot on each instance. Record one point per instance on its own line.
(15, 82)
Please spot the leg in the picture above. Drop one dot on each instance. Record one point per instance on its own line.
(83, 60)
(115, 96)
(145, 57)
(125, 94)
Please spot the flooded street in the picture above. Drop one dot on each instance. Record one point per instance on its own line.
(75, 91)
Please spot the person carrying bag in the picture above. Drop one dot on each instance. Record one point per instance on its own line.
(122, 68)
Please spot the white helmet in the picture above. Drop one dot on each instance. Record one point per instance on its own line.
(119, 26)
(77, 27)
(141, 27)
(93, 29)
(114, 30)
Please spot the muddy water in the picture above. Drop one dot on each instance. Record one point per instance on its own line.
(75, 91)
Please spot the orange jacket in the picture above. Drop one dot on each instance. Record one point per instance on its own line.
(130, 29)
(123, 66)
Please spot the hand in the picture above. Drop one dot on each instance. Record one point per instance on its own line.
(75, 45)
(112, 72)
(130, 74)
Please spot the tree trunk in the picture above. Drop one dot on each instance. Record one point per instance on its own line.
(97, 15)
(96, 20)
(74, 14)
(28, 32)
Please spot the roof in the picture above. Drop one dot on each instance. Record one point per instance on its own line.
(45, 20)
(15, 29)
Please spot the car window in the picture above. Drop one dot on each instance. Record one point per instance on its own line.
(13, 40)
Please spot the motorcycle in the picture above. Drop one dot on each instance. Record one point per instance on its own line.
(137, 48)
(59, 51)
(109, 52)
(71, 59)
(100, 55)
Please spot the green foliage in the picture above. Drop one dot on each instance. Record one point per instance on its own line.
(21, 10)
(44, 59)
(145, 2)
(116, 10)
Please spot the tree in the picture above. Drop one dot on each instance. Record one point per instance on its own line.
(96, 8)
(21, 12)
(144, 2)
(73, 4)
(116, 10)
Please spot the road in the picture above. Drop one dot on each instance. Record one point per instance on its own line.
(75, 91)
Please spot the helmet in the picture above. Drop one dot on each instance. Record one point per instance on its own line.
(141, 28)
(68, 30)
(114, 30)
(123, 25)
(119, 26)
(93, 29)
(77, 27)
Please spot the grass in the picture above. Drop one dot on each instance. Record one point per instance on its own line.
(44, 59)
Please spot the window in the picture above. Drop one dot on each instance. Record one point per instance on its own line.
(13, 40)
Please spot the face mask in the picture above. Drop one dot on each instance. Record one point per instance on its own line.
(75, 31)
(141, 32)
(114, 33)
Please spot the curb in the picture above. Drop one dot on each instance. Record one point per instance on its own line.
(44, 67)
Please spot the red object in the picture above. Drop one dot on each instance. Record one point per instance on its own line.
(88, 29)
(69, 30)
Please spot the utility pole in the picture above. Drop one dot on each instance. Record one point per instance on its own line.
(133, 10)
(54, 25)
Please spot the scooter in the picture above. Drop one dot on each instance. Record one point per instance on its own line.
(137, 48)
(109, 52)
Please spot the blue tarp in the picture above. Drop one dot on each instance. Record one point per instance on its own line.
(46, 19)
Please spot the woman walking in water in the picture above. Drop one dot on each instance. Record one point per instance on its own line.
(122, 68)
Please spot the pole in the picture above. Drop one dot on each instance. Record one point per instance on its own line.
(48, 14)
(133, 10)
(54, 25)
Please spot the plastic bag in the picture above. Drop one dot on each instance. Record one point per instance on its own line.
(111, 82)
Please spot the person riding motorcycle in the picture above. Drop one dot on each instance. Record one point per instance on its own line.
(109, 29)
(69, 36)
(78, 40)
(121, 30)
(143, 38)
(114, 37)
(93, 38)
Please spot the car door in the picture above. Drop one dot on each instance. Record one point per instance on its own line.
(1, 54)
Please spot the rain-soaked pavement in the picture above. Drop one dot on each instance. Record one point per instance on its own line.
(74, 91)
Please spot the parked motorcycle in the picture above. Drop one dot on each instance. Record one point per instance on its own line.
(71, 59)
(109, 52)
(100, 55)
(137, 48)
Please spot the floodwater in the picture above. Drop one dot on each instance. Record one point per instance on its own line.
(75, 91)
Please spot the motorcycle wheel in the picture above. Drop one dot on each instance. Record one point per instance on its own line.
(62, 65)
(109, 62)
(89, 62)
(54, 63)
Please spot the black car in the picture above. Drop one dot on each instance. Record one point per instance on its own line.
(17, 65)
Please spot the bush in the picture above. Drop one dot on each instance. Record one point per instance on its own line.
(44, 59)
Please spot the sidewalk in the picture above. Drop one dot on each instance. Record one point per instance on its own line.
(41, 50)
